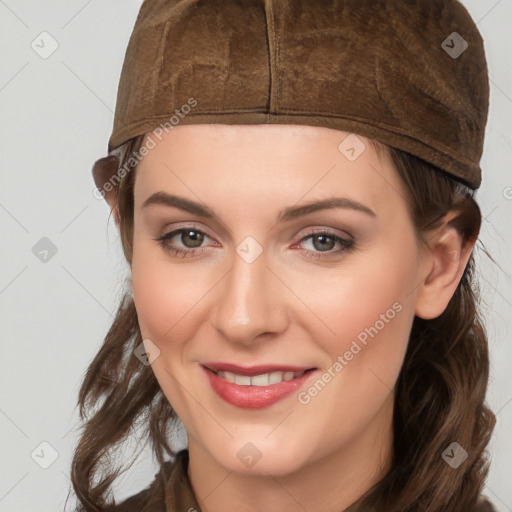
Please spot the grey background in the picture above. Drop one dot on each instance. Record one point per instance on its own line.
(55, 119)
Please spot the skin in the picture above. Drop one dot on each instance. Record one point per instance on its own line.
(283, 307)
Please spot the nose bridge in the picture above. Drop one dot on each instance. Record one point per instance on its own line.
(249, 301)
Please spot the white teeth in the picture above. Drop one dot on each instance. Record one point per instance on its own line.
(265, 379)
(242, 380)
(230, 377)
(260, 380)
(275, 378)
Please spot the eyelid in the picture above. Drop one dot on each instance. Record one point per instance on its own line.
(328, 231)
(347, 243)
(186, 225)
(314, 229)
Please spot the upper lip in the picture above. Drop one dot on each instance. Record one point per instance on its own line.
(254, 370)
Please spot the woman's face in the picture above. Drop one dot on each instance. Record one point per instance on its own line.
(266, 288)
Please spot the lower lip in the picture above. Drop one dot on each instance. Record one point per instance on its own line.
(254, 397)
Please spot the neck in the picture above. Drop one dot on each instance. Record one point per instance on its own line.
(328, 484)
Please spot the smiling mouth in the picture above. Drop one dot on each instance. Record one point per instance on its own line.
(262, 375)
(264, 379)
(255, 387)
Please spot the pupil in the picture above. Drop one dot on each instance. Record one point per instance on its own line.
(322, 245)
(196, 237)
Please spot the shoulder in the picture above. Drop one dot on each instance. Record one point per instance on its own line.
(152, 498)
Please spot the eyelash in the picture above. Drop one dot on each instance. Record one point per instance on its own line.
(347, 245)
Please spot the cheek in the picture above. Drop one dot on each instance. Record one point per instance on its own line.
(167, 294)
(369, 312)
(366, 308)
(369, 305)
(164, 299)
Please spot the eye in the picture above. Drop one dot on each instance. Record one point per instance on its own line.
(323, 241)
(189, 236)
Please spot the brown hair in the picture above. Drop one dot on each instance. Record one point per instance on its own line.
(440, 391)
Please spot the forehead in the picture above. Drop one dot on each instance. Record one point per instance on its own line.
(277, 162)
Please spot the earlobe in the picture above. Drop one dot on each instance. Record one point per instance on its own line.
(447, 256)
(104, 172)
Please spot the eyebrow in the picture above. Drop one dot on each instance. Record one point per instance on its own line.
(287, 214)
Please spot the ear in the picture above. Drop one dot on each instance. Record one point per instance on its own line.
(104, 172)
(444, 259)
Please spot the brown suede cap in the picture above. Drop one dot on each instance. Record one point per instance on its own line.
(411, 74)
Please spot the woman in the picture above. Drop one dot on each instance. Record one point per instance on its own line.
(293, 183)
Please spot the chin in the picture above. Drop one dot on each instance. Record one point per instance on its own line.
(260, 457)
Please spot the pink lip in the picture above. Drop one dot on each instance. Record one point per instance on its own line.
(253, 397)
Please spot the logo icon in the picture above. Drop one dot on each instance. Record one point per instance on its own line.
(454, 455)
(44, 250)
(249, 249)
(249, 455)
(454, 45)
(44, 455)
(147, 352)
(352, 147)
(44, 45)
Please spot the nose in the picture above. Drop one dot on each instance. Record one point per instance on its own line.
(251, 302)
